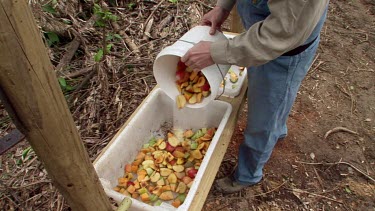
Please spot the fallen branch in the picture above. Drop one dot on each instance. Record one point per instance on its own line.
(147, 33)
(152, 13)
(339, 129)
(313, 194)
(341, 162)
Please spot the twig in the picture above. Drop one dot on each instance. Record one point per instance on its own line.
(78, 73)
(314, 194)
(152, 13)
(261, 194)
(339, 129)
(341, 162)
(129, 42)
(147, 31)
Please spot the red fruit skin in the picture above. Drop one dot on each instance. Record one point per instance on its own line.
(172, 162)
(181, 66)
(180, 74)
(192, 173)
(170, 148)
(206, 87)
(130, 183)
(181, 149)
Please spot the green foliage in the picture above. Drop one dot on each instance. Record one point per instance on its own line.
(132, 5)
(64, 85)
(173, 1)
(49, 8)
(113, 37)
(99, 55)
(103, 16)
(52, 38)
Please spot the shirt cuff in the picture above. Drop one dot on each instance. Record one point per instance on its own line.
(218, 51)
(226, 4)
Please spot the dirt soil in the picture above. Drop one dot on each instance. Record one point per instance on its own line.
(339, 91)
(306, 171)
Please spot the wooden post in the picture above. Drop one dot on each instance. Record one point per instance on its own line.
(235, 24)
(31, 93)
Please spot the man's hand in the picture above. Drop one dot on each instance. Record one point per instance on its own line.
(199, 56)
(215, 18)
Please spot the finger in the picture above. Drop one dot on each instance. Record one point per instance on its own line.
(185, 58)
(213, 28)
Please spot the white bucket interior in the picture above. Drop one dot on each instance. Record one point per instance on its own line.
(166, 63)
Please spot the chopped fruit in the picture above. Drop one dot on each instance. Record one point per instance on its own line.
(176, 203)
(155, 177)
(183, 85)
(145, 197)
(172, 178)
(189, 88)
(181, 66)
(192, 173)
(233, 77)
(241, 68)
(197, 90)
(173, 141)
(165, 172)
(206, 87)
(199, 97)
(193, 99)
(181, 101)
(186, 180)
(196, 154)
(162, 145)
(201, 81)
(178, 168)
(160, 182)
(188, 133)
(193, 75)
(165, 168)
(169, 148)
(158, 203)
(166, 196)
(181, 188)
(128, 168)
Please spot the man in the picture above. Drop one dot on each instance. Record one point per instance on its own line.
(278, 47)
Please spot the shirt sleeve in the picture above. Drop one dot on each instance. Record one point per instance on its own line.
(226, 4)
(288, 26)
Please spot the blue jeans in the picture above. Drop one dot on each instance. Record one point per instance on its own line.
(272, 91)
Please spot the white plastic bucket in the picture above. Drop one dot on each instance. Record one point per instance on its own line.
(166, 63)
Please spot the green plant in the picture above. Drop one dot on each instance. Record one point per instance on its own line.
(173, 1)
(103, 18)
(52, 38)
(64, 85)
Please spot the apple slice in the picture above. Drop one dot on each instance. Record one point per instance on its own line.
(183, 85)
(193, 75)
(189, 88)
(137, 185)
(155, 177)
(173, 141)
(165, 188)
(181, 188)
(135, 195)
(206, 86)
(131, 189)
(178, 154)
(187, 95)
(162, 145)
(178, 168)
(176, 203)
(157, 190)
(186, 180)
(173, 187)
(195, 80)
(199, 97)
(159, 158)
(190, 184)
(134, 168)
(193, 99)
(147, 163)
(192, 173)
(166, 196)
(188, 133)
(196, 154)
(172, 178)
(160, 182)
(201, 81)
(180, 175)
(169, 148)
(181, 101)
(145, 197)
(178, 87)
(180, 161)
(128, 168)
(165, 172)
(197, 89)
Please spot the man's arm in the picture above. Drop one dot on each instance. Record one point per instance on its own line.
(288, 26)
(226, 4)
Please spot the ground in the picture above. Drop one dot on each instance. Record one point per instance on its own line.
(306, 171)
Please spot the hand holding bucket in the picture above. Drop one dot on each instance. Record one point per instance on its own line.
(166, 63)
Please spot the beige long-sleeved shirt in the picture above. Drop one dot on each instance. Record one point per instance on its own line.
(288, 26)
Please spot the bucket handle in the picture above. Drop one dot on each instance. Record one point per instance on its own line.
(218, 67)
